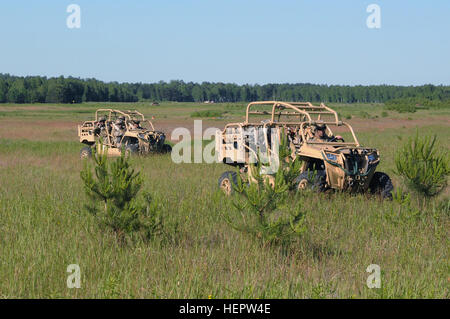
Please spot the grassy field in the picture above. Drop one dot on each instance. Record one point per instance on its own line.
(43, 227)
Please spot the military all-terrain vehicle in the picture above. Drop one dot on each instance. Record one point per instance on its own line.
(121, 130)
(328, 162)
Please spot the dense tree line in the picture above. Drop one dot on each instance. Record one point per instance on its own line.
(36, 89)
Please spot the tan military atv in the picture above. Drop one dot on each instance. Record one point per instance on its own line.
(117, 130)
(329, 162)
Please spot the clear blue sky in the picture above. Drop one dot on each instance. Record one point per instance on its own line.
(239, 41)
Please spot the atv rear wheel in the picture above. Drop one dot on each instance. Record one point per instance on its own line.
(166, 148)
(86, 152)
(312, 180)
(131, 150)
(226, 182)
(381, 185)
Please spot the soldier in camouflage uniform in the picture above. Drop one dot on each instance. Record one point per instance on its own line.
(100, 127)
(320, 134)
(119, 130)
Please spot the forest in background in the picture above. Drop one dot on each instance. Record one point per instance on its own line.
(38, 89)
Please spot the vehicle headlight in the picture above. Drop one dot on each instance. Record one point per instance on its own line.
(331, 157)
(371, 157)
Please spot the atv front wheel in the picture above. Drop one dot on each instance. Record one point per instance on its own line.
(381, 185)
(227, 182)
(86, 152)
(312, 180)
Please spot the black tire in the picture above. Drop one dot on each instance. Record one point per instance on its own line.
(312, 180)
(227, 181)
(86, 152)
(166, 148)
(131, 149)
(381, 185)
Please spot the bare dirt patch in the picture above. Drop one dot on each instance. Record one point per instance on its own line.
(38, 130)
(63, 130)
(23, 108)
(362, 125)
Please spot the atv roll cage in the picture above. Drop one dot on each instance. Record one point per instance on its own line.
(129, 116)
(297, 114)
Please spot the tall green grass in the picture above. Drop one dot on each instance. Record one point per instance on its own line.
(206, 114)
(43, 229)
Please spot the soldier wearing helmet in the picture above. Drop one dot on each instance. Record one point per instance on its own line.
(100, 126)
(118, 129)
(320, 135)
(135, 125)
